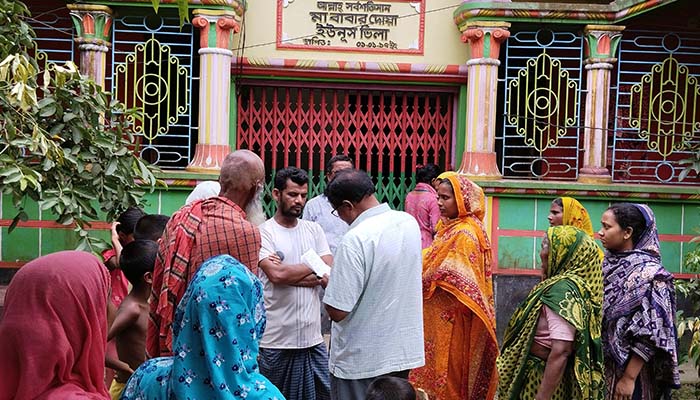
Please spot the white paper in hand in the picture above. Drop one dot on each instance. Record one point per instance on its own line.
(313, 261)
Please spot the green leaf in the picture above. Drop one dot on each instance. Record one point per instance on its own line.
(49, 203)
(13, 178)
(182, 11)
(155, 4)
(21, 216)
(7, 171)
(77, 134)
(48, 111)
(112, 166)
(45, 102)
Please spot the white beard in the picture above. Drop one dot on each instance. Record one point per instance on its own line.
(254, 211)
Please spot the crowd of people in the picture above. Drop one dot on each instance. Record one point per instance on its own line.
(225, 304)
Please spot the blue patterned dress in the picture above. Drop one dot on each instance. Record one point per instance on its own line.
(217, 328)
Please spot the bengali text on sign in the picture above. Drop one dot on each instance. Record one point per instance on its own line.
(367, 26)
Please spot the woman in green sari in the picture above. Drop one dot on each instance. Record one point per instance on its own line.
(552, 347)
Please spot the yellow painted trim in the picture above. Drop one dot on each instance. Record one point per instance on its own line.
(88, 7)
(208, 109)
(610, 28)
(213, 13)
(489, 212)
(487, 24)
(473, 112)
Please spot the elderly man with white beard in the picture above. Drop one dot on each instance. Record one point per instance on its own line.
(201, 230)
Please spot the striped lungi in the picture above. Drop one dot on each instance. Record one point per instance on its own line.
(300, 374)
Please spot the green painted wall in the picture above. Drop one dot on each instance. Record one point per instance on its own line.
(523, 216)
(530, 214)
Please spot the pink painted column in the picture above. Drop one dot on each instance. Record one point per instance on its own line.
(601, 46)
(93, 27)
(484, 40)
(216, 29)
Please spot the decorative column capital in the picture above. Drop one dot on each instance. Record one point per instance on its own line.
(602, 42)
(216, 29)
(485, 38)
(93, 26)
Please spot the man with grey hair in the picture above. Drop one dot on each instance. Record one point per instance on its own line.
(201, 230)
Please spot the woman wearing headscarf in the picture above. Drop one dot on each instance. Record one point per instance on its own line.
(204, 190)
(217, 329)
(53, 333)
(639, 308)
(458, 311)
(568, 211)
(552, 347)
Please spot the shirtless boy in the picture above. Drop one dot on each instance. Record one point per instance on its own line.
(130, 324)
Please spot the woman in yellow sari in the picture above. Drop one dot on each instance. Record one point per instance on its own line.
(458, 311)
(568, 211)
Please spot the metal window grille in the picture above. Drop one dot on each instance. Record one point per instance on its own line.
(54, 37)
(540, 87)
(657, 110)
(388, 132)
(155, 70)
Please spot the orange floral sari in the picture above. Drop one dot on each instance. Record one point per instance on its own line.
(458, 310)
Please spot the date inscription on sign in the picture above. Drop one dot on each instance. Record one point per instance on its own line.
(394, 26)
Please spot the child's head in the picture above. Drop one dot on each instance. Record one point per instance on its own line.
(150, 227)
(137, 261)
(390, 388)
(127, 222)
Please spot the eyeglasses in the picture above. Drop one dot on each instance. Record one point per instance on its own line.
(334, 211)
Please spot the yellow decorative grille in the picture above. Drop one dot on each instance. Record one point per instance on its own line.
(542, 102)
(155, 84)
(665, 107)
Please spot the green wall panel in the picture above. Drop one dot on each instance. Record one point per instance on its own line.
(9, 211)
(671, 256)
(173, 201)
(151, 202)
(542, 206)
(53, 240)
(595, 211)
(668, 217)
(516, 213)
(20, 245)
(517, 252)
(691, 220)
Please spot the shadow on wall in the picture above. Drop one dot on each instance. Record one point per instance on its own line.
(509, 292)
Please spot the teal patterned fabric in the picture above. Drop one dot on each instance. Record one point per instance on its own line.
(217, 329)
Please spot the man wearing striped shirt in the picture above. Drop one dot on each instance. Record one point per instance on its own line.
(293, 354)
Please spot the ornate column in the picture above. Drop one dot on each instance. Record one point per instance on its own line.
(484, 39)
(93, 26)
(601, 46)
(216, 29)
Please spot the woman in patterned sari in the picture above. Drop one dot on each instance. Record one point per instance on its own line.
(639, 308)
(552, 347)
(458, 311)
(568, 211)
(217, 328)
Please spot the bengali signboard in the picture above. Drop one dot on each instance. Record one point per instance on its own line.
(393, 26)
